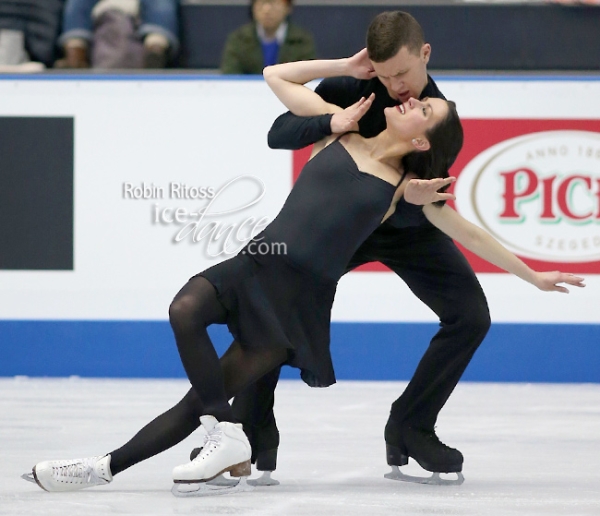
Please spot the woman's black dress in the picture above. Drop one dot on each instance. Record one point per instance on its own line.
(279, 290)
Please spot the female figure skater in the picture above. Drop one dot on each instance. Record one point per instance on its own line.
(278, 305)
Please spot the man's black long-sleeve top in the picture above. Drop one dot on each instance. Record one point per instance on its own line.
(294, 132)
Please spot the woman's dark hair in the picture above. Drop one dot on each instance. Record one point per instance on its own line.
(445, 141)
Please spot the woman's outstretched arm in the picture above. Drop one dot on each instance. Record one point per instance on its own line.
(487, 247)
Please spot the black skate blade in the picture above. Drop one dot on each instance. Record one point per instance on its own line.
(29, 477)
(198, 489)
(434, 479)
(264, 480)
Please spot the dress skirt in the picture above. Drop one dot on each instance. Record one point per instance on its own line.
(273, 302)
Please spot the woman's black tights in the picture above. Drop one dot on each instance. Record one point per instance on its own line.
(213, 381)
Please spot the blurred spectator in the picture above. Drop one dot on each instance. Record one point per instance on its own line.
(269, 39)
(119, 33)
(28, 30)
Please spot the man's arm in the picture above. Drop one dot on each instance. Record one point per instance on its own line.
(296, 132)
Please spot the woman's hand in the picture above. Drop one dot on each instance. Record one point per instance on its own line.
(425, 191)
(549, 281)
(360, 66)
(347, 120)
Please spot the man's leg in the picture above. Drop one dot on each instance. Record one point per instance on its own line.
(438, 274)
(253, 407)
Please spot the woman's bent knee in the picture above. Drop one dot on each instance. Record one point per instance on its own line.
(183, 309)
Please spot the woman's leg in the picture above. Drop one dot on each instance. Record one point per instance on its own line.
(227, 447)
(162, 433)
(240, 367)
(195, 308)
(173, 426)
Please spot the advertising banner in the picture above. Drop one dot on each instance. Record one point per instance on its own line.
(535, 186)
(115, 190)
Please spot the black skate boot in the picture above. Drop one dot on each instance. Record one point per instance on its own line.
(404, 440)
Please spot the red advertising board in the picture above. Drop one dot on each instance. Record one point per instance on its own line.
(532, 183)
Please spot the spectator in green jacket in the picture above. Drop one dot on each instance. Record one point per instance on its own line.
(269, 39)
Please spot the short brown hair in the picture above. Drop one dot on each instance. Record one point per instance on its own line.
(389, 32)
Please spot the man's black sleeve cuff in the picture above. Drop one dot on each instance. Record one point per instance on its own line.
(325, 124)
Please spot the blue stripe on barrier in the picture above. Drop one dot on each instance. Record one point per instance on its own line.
(361, 351)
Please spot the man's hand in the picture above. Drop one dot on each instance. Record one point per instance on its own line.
(347, 120)
(549, 281)
(425, 191)
(360, 66)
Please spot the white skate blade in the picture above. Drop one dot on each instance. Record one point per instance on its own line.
(264, 480)
(434, 479)
(185, 490)
(29, 477)
(223, 481)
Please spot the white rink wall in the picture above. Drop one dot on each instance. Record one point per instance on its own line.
(149, 151)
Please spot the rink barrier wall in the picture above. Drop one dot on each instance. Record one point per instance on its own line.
(100, 311)
(361, 351)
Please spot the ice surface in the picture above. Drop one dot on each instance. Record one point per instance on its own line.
(530, 449)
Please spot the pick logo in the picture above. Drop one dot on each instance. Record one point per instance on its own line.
(538, 193)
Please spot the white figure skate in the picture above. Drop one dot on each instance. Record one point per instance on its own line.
(221, 480)
(226, 449)
(264, 480)
(71, 475)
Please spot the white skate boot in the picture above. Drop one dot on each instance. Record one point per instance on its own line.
(220, 480)
(71, 475)
(226, 449)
